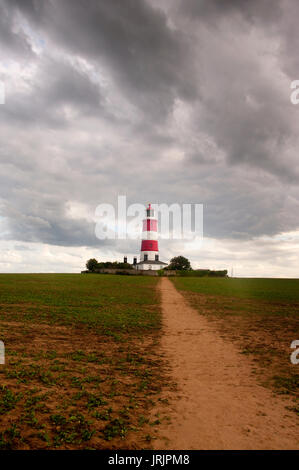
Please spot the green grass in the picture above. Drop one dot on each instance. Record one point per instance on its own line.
(80, 360)
(107, 302)
(277, 290)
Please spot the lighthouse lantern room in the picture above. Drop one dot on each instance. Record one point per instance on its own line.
(149, 255)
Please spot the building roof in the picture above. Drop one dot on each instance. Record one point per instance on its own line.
(151, 262)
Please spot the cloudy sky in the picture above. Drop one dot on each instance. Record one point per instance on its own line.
(167, 101)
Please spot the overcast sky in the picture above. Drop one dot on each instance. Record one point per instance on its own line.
(163, 101)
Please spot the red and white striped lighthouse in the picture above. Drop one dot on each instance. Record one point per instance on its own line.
(149, 255)
(149, 244)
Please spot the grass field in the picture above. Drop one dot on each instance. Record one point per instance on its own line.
(260, 315)
(83, 368)
(278, 290)
(81, 365)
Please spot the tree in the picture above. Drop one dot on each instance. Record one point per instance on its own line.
(92, 264)
(179, 263)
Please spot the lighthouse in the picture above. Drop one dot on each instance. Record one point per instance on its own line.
(149, 254)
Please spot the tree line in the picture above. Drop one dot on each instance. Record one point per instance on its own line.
(179, 263)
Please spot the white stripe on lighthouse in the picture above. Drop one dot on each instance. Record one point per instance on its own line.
(149, 235)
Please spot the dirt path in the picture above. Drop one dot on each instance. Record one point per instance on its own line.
(219, 404)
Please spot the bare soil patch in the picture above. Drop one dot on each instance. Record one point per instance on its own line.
(65, 387)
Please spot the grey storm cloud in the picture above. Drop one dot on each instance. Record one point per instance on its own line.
(12, 42)
(251, 10)
(57, 85)
(183, 101)
(147, 59)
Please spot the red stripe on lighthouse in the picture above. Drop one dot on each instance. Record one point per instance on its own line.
(149, 245)
(150, 225)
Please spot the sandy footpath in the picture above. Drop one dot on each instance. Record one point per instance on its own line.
(218, 404)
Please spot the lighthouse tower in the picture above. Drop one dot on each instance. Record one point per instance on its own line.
(149, 255)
